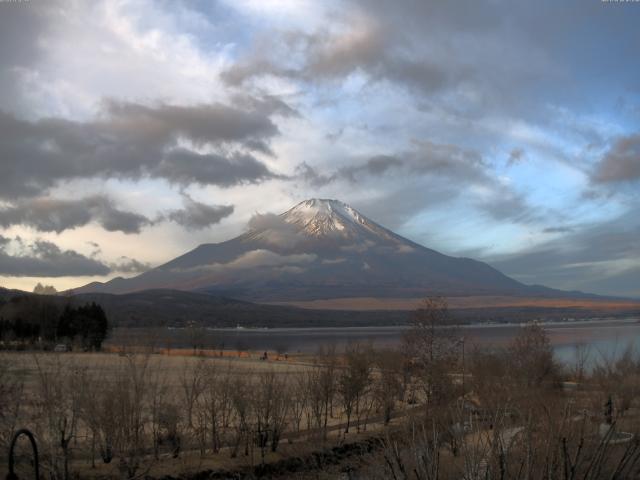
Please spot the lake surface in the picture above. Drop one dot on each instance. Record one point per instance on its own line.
(602, 339)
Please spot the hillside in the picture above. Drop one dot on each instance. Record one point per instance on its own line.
(167, 308)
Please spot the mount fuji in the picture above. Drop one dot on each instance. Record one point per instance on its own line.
(321, 249)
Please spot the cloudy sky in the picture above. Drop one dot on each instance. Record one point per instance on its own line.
(132, 131)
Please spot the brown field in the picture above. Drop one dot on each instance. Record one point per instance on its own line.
(183, 378)
(371, 303)
(190, 413)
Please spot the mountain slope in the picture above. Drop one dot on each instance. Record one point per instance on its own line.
(321, 249)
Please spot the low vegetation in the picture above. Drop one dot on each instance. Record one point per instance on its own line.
(429, 410)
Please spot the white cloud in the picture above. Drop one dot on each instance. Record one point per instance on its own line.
(259, 258)
(96, 50)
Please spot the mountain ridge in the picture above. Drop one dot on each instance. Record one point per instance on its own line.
(320, 249)
(177, 308)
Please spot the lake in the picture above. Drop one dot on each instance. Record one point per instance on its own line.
(604, 339)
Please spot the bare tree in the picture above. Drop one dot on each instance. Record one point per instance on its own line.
(432, 335)
(11, 399)
(322, 389)
(242, 403)
(167, 429)
(388, 387)
(431, 344)
(128, 415)
(58, 408)
(89, 394)
(491, 380)
(225, 402)
(354, 380)
(192, 386)
(418, 456)
(196, 335)
(299, 400)
(531, 357)
(280, 412)
(618, 378)
(160, 413)
(270, 401)
(582, 356)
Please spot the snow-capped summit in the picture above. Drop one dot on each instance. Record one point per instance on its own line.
(319, 217)
(316, 209)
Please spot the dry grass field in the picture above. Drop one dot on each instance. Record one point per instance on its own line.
(173, 412)
(409, 304)
(509, 412)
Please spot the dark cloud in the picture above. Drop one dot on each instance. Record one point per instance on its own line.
(46, 259)
(621, 162)
(333, 136)
(622, 283)
(239, 72)
(395, 207)
(370, 48)
(132, 141)
(46, 214)
(55, 215)
(129, 265)
(374, 166)
(378, 50)
(515, 156)
(21, 30)
(593, 259)
(558, 229)
(97, 250)
(427, 49)
(185, 167)
(201, 124)
(114, 220)
(265, 104)
(196, 215)
(426, 158)
(448, 160)
(464, 60)
(311, 176)
(505, 204)
(445, 172)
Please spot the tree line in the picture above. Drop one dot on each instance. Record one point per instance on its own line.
(32, 319)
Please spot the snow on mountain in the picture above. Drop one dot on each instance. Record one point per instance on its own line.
(323, 217)
(319, 217)
(319, 249)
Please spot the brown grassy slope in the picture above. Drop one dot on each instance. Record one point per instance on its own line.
(371, 303)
